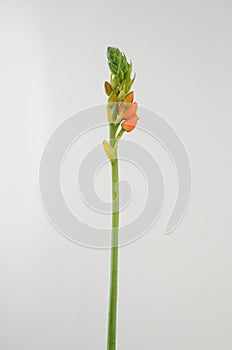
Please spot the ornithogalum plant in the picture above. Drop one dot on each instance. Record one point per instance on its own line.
(122, 117)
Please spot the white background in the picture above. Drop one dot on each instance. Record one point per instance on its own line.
(175, 291)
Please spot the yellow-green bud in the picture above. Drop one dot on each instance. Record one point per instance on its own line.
(108, 150)
(114, 82)
(109, 114)
(112, 97)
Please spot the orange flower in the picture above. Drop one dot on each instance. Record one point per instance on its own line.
(130, 123)
(130, 111)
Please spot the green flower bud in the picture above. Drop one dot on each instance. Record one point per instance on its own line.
(130, 83)
(109, 114)
(113, 68)
(114, 82)
(108, 150)
(121, 75)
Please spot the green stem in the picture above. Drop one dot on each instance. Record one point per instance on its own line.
(121, 132)
(112, 321)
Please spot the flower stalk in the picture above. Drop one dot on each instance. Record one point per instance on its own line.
(112, 321)
(121, 113)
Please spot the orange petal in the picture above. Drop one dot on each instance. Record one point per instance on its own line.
(130, 123)
(130, 110)
(120, 108)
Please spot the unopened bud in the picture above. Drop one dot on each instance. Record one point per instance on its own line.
(108, 150)
(130, 97)
(109, 114)
(108, 88)
(115, 81)
(112, 97)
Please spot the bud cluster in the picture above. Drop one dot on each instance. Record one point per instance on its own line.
(120, 78)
